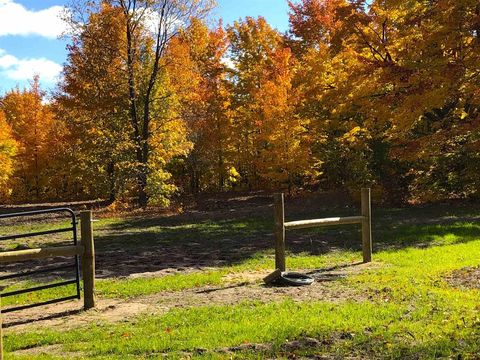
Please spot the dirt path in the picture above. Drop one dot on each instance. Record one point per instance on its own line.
(238, 288)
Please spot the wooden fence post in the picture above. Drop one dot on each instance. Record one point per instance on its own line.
(88, 259)
(279, 232)
(366, 225)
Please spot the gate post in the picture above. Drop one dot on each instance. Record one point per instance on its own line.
(88, 259)
(366, 225)
(279, 232)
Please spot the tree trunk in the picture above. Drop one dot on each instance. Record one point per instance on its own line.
(142, 188)
(145, 153)
(221, 173)
(111, 182)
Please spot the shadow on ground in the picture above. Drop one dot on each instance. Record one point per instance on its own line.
(227, 231)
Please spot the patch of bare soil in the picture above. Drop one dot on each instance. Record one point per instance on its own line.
(238, 288)
(293, 346)
(49, 350)
(466, 278)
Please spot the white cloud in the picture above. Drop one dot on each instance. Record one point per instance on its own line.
(15, 19)
(14, 68)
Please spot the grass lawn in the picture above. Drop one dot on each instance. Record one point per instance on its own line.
(403, 307)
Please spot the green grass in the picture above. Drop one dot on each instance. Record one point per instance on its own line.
(214, 327)
(146, 286)
(406, 309)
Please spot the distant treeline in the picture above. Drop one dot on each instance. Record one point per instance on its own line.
(154, 102)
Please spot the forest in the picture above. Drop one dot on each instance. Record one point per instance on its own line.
(382, 94)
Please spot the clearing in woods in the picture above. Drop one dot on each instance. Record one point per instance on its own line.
(189, 286)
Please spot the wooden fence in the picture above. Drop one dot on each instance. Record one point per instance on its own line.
(85, 250)
(365, 219)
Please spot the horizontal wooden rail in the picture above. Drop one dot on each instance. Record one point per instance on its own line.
(305, 224)
(31, 254)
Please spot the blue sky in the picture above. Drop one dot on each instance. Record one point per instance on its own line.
(29, 29)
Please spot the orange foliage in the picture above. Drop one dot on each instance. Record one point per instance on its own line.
(8, 149)
(33, 127)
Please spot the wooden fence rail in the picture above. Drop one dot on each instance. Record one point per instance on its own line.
(40, 253)
(280, 226)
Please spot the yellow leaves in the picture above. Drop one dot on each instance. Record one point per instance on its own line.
(393, 63)
(169, 139)
(356, 138)
(460, 113)
(351, 136)
(233, 175)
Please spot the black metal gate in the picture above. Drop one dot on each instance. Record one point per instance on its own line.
(75, 267)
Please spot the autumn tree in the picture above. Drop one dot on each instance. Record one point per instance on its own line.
(165, 18)
(439, 105)
(8, 149)
(284, 158)
(383, 69)
(146, 28)
(92, 102)
(269, 135)
(313, 22)
(32, 124)
(328, 75)
(196, 64)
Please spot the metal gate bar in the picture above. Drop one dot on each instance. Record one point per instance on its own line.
(48, 302)
(34, 272)
(39, 233)
(38, 288)
(76, 266)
